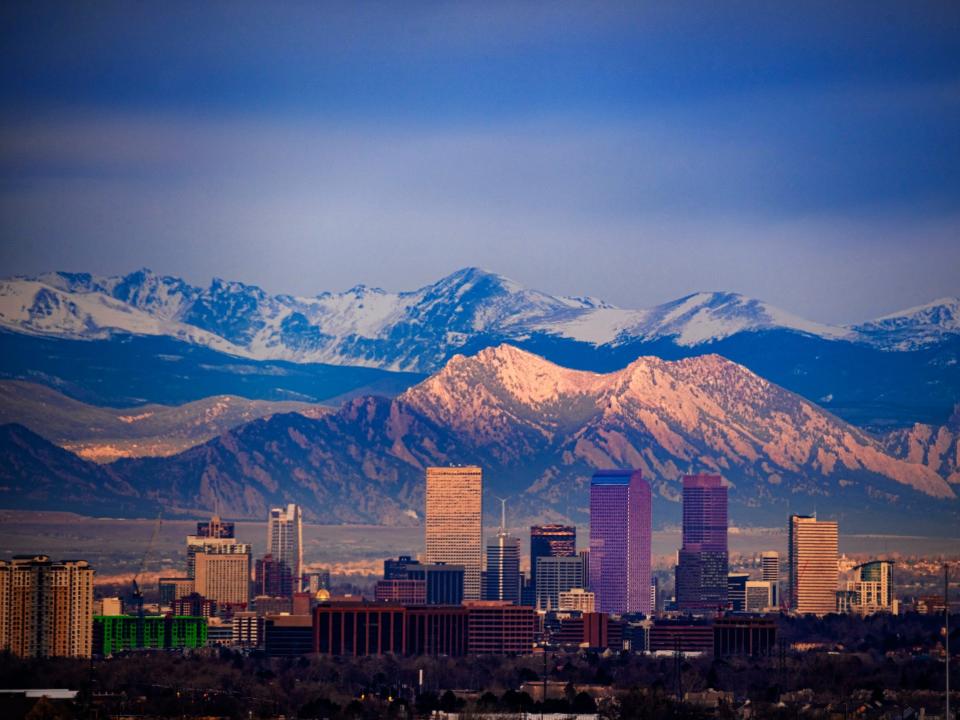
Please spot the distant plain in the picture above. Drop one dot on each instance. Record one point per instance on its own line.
(116, 547)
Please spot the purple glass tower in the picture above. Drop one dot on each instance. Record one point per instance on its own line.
(702, 567)
(620, 535)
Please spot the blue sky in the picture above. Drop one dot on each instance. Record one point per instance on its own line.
(809, 156)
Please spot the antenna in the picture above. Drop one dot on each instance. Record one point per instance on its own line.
(503, 515)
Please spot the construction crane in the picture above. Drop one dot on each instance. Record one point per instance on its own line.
(137, 592)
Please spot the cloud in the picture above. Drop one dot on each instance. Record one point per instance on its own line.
(637, 212)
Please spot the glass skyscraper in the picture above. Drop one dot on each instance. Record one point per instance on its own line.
(620, 537)
(285, 545)
(702, 567)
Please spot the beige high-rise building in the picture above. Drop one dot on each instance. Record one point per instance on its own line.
(46, 608)
(222, 573)
(454, 522)
(812, 547)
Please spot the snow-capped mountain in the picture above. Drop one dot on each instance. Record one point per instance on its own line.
(915, 327)
(539, 430)
(417, 330)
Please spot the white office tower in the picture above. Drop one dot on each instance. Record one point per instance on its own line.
(285, 541)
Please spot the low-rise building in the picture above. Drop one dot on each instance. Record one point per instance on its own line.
(113, 634)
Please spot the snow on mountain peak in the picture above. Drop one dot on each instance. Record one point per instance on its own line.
(914, 327)
(416, 330)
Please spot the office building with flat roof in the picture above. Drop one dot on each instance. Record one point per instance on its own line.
(620, 541)
(46, 607)
(701, 579)
(222, 573)
(556, 575)
(454, 522)
(813, 547)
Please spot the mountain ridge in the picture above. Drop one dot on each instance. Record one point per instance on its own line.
(539, 430)
(105, 434)
(410, 330)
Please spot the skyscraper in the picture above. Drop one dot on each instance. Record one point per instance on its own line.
(770, 572)
(550, 541)
(556, 575)
(454, 525)
(46, 607)
(812, 547)
(503, 564)
(702, 567)
(222, 573)
(285, 545)
(620, 536)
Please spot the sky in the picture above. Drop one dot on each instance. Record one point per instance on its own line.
(807, 154)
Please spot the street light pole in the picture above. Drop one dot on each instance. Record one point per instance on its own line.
(946, 627)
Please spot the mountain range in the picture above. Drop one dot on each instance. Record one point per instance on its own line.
(538, 430)
(103, 434)
(892, 371)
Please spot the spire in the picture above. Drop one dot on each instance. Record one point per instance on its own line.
(503, 516)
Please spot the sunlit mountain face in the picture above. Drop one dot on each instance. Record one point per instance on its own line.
(889, 372)
(539, 430)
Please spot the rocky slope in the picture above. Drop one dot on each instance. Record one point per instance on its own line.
(935, 447)
(35, 474)
(539, 430)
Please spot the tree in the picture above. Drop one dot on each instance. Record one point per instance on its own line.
(583, 703)
(46, 709)
(320, 707)
(450, 702)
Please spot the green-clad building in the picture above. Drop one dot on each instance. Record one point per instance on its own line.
(116, 633)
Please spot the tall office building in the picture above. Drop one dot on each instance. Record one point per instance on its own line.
(222, 573)
(813, 578)
(46, 607)
(503, 578)
(285, 545)
(557, 575)
(770, 572)
(550, 541)
(701, 581)
(620, 537)
(454, 522)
